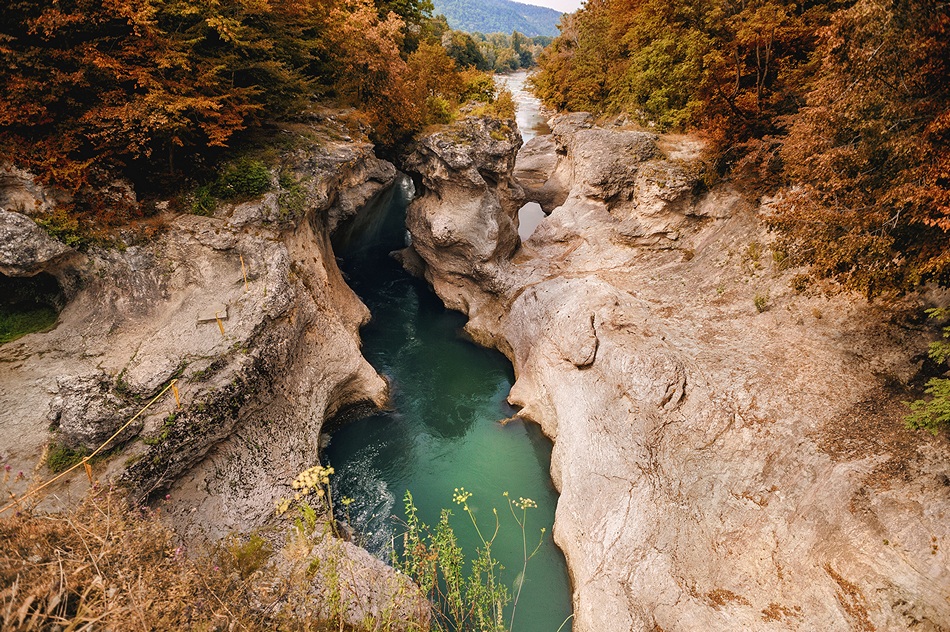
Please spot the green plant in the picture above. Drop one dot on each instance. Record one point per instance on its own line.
(246, 556)
(245, 177)
(292, 198)
(437, 563)
(64, 227)
(934, 413)
(203, 201)
(438, 110)
(477, 87)
(16, 324)
(751, 257)
(166, 430)
(503, 107)
(523, 504)
(779, 256)
(761, 302)
(314, 481)
(60, 457)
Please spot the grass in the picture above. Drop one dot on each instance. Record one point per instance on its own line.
(16, 323)
(106, 565)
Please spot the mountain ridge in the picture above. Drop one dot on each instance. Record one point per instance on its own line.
(499, 16)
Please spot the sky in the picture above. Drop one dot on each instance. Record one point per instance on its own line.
(566, 6)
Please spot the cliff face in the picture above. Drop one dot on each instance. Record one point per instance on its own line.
(729, 453)
(247, 308)
(249, 311)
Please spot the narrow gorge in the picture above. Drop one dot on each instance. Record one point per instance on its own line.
(702, 413)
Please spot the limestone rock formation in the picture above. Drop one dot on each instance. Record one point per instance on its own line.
(730, 454)
(25, 248)
(467, 205)
(246, 309)
(352, 586)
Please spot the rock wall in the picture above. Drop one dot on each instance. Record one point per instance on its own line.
(730, 453)
(246, 308)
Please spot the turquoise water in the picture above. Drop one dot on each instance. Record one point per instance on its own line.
(448, 398)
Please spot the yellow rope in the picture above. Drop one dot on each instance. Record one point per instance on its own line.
(85, 460)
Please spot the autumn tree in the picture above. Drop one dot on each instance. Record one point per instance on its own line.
(843, 101)
(870, 152)
(93, 87)
(369, 70)
(579, 69)
(93, 90)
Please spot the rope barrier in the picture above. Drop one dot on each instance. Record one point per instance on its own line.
(85, 461)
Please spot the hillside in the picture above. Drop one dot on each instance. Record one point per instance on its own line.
(498, 16)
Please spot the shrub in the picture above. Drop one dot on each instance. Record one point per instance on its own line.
(243, 178)
(933, 414)
(64, 227)
(503, 107)
(438, 110)
(761, 302)
(246, 557)
(203, 201)
(477, 86)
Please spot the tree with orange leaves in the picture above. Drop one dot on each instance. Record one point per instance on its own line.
(870, 152)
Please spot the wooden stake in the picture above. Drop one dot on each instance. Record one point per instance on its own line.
(175, 391)
(88, 467)
(217, 317)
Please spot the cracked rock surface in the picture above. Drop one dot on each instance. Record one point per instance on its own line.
(247, 309)
(720, 468)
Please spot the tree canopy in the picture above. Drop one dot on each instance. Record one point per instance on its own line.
(842, 105)
(96, 89)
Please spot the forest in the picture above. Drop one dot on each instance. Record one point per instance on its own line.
(840, 108)
(145, 89)
(498, 52)
(498, 16)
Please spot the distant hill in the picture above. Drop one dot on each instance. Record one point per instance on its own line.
(498, 16)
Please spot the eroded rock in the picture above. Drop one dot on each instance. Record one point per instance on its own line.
(25, 248)
(705, 452)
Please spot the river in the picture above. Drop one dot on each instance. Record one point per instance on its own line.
(532, 121)
(444, 430)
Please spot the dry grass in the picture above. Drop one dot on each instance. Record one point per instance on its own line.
(107, 566)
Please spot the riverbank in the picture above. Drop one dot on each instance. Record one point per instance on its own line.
(246, 313)
(712, 472)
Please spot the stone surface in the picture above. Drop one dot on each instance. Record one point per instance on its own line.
(20, 193)
(254, 399)
(719, 468)
(467, 205)
(352, 586)
(25, 248)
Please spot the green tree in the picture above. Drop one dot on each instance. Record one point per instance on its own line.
(934, 414)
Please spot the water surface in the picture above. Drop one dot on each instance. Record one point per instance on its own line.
(448, 398)
(532, 120)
